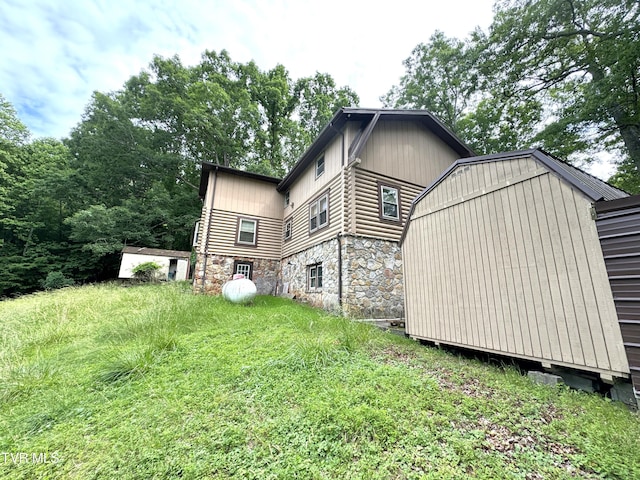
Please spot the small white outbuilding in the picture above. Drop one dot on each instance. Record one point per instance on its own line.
(174, 264)
(501, 254)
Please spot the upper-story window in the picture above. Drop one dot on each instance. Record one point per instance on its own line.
(319, 213)
(287, 199)
(288, 229)
(319, 166)
(196, 234)
(247, 231)
(389, 203)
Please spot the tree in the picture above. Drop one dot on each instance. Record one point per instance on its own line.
(446, 77)
(581, 56)
(441, 76)
(318, 100)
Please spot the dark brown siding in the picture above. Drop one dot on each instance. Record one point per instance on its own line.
(618, 223)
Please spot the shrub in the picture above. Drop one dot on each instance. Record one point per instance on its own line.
(56, 280)
(146, 271)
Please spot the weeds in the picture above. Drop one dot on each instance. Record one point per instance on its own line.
(154, 382)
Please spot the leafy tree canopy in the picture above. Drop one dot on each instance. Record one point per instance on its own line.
(559, 74)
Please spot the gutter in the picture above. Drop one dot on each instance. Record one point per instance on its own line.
(341, 232)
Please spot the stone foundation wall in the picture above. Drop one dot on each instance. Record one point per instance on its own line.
(294, 271)
(371, 276)
(372, 281)
(220, 270)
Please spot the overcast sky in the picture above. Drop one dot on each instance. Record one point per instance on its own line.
(55, 53)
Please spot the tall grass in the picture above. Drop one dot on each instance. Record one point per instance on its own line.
(155, 382)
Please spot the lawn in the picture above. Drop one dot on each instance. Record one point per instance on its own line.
(155, 382)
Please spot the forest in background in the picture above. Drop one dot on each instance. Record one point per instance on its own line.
(563, 75)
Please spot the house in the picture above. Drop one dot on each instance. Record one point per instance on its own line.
(501, 254)
(174, 264)
(328, 233)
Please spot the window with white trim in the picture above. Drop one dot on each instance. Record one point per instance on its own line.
(389, 203)
(319, 166)
(314, 276)
(244, 268)
(247, 231)
(287, 198)
(319, 213)
(287, 229)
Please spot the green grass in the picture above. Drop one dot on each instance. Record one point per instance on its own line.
(154, 382)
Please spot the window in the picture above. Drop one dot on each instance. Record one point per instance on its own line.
(314, 276)
(319, 166)
(389, 203)
(287, 198)
(247, 231)
(196, 234)
(287, 229)
(319, 213)
(244, 268)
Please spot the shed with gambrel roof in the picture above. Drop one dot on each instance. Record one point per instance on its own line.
(501, 254)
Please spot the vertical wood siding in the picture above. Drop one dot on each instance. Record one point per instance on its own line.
(406, 151)
(248, 196)
(504, 257)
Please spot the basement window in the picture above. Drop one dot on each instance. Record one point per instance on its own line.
(244, 268)
(314, 277)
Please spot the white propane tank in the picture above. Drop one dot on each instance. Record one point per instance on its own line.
(239, 290)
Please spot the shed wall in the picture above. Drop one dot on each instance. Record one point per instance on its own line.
(504, 257)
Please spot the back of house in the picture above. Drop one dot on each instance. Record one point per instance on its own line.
(328, 233)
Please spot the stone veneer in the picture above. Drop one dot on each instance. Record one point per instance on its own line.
(371, 276)
(220, 270)
(294, 272)
(372, 283)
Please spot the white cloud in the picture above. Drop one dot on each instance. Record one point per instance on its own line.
(55, 54)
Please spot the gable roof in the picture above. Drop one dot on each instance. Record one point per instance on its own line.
(157, 252)
(209, 166)
(594, 188)
(369, 117)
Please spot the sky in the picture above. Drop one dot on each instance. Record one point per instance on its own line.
(56, 53)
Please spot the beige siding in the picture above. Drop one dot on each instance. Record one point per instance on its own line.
(224, 230)
(301, 239)
(307, 186)
(230, 197)
(505, 258)
(247, 196)
(365, 204)
(406, 151)
(467, 181)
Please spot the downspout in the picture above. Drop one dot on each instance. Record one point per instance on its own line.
(205, 250)
(339, 235)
